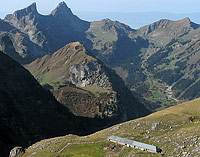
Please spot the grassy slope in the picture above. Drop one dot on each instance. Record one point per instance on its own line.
(175, 130)
(163, 31)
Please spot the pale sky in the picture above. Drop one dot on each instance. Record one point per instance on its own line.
(46, 6)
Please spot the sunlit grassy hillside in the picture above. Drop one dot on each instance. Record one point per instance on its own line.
(175, 130)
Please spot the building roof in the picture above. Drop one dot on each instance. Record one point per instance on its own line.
(133, 143)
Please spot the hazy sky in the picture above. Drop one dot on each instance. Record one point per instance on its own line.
(45, 6)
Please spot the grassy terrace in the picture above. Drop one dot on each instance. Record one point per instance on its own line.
(96, 91)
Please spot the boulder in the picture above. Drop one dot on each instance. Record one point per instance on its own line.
(17, 151)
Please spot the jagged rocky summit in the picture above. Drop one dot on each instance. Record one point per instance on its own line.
(49, 32)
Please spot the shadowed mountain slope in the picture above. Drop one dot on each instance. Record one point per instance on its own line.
(27, 110)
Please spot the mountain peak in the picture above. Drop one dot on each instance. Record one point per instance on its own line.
(164, 24)
(186, 19)
(77, 43)
(62, 4)
(107, 20)
(61, 8)
(32, 7)
(73, 47)
(187, 22)
(23, 12)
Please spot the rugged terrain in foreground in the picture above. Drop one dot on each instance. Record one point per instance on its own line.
(175, 130)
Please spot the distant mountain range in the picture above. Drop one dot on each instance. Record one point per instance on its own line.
(148, 59)
(137, 19)
(134, 19)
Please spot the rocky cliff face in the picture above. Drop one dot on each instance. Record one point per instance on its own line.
(112, 103)
(17, 45)
(73, 63)
(94, 75)
(89, 73)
